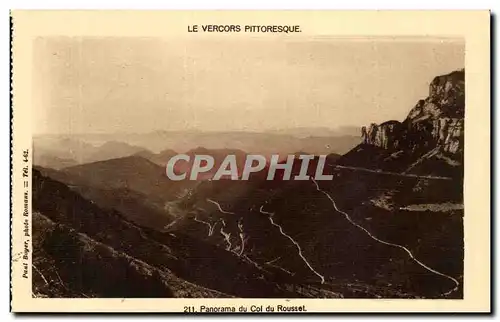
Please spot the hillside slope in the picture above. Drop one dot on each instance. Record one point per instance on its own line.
(82, 250)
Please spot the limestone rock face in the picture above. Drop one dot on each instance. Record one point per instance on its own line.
(385, 135)
(449, 133)
(434, 122)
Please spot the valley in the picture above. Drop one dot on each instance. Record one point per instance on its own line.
(387, 224)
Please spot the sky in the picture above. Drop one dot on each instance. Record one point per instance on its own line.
(138, 85)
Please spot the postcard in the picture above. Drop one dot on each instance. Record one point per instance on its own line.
(250, 161)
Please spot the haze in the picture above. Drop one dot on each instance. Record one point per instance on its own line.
(137, 85)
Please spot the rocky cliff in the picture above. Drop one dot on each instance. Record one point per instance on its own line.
(434, 122)
(429, 141)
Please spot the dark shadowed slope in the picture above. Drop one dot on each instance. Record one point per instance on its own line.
(293, 229)
(83, 250)
(393, 233)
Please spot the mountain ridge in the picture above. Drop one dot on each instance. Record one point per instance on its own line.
(431, 136)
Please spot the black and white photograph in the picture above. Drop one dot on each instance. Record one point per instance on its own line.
(239, 161)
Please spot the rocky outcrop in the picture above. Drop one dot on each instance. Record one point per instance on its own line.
(385, 135)
(434, 122)
(430, 141)
(449, 133)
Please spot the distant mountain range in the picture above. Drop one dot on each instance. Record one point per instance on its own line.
(59, 151)
(304, 132)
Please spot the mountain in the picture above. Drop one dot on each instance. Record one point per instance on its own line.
(388, 225)
(337, 236)
(136, 187)
(161, 158)
(57, 148)
(81, 250)
(138, 173)
(429, 141)
(61, 152)
(249, 239)
(113, 150)
(219, 155)
(52, 161)
(146, 177)
(304, 132)
(316, 142)
(381, 228)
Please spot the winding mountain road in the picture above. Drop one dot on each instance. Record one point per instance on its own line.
(271, 214)
(397, 174)
(210, 226)
(350, 220)
(220, 208)
(410, 254)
